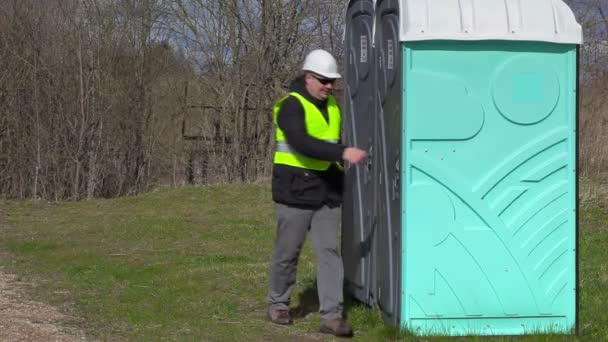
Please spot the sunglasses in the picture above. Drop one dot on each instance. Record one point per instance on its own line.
(324, 81)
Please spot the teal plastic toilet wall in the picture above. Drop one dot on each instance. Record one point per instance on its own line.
(489, 200)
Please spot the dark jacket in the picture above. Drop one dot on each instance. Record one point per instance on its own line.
(300, 187)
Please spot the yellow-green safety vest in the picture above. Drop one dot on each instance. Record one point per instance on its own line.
(316, 126)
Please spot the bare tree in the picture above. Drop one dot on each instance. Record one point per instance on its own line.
(82, 83)
(592, 14)
(112, 97)
(246, 52)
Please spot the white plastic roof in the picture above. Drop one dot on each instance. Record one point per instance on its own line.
(533, 20)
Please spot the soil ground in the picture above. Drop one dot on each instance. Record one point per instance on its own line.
(24, 320)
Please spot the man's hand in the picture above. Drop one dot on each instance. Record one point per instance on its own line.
(354, 155)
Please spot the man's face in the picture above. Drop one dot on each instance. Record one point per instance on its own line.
(318, 86)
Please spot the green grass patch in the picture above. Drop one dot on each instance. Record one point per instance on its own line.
(191, 264)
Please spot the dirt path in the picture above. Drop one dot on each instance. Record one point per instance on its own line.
(25, 320)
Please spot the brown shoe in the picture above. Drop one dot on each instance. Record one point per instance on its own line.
(279, 316)
(337, 327)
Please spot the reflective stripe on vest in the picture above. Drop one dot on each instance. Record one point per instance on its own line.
(316, 126)
(283, 146)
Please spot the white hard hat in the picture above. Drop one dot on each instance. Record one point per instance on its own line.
(322, 63)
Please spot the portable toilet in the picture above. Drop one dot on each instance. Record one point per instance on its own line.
(464, 219)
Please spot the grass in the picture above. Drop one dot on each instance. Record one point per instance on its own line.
(190, 264)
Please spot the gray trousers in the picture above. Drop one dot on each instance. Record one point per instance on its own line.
(292, 226)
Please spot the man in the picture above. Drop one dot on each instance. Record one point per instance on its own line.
(307, 190)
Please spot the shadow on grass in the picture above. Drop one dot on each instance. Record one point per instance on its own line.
(349, 303)
(308, 301)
